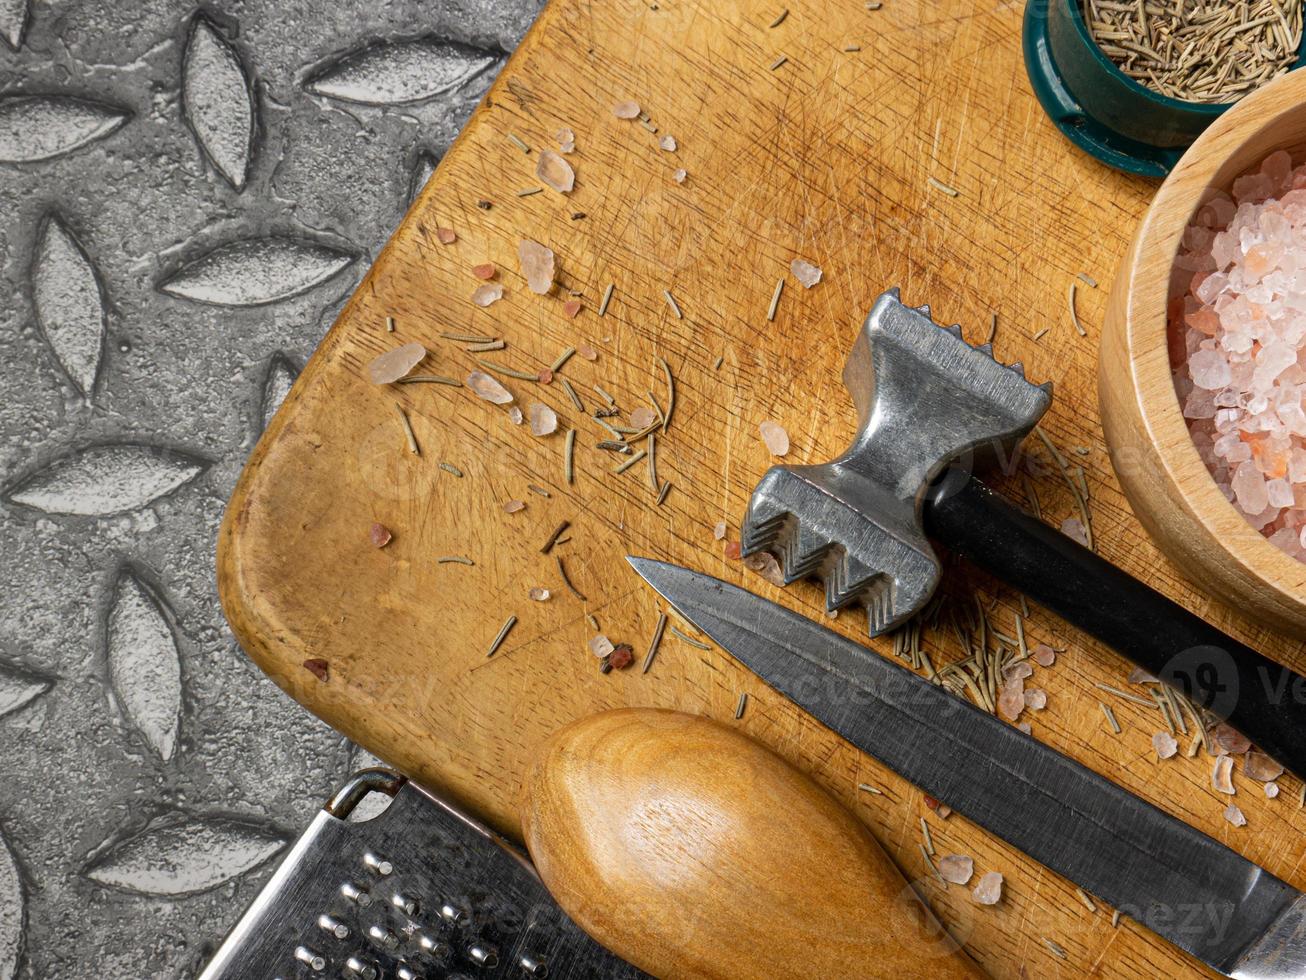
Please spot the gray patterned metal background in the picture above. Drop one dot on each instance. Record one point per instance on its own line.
(187, 195)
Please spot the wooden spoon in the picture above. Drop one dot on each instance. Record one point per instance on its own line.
(692, 851)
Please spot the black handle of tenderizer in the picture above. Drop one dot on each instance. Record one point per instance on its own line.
(1262, 699)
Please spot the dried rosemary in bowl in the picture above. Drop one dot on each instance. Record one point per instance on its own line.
(1209, 51)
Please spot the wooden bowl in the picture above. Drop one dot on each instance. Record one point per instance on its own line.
(1168, 485)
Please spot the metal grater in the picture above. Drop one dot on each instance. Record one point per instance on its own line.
(416, 892)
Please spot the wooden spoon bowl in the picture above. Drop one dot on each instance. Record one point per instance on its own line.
(1168, 485)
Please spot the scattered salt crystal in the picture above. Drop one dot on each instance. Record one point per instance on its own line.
(566, 140)
(1230, 740)
(989, 889)
(539, 595)
(537, 265)
(1073, 528)
(601, 646)
(679, 176)
(719, 532)
(555, 172)
(622, 656)
(515, 416)
(485, 270)
(379, 535)
(668, 143)
(544, 420)
(806, 273)
(1011, 700)
(394, 364)
(642, 417)
(765, 564)
(1222, 775)
(626, 110)
(544, 376)
(486, 387)
(1235, 816)
(1271, 790)
(446, 236)
(491, 292)
(1036, 699)
(1260, 767)
(732, 550)
(587, 352)
(1020, 671)
(775, 437)
(1165, 745)
(1025, 727)
(572, 308)
(1044, 655)
(956, 868)
(513, 506)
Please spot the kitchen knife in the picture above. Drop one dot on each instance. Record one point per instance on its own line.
(1183, 885)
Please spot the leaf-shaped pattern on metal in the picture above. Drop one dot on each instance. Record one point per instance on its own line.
(401, 72)
(218, 101)
(144, 663)
(40, 127)
(106, 479)
(70, 303)
(255, 271)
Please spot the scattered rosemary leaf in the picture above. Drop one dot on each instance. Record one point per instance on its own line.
(533, 488)
(631, 462)
(671, 393)
(605, 396)
(775, 299)
(780, 17)
(779, 61)
(852, 47)
(1088, 902)
(652, 461)
(993, 328)
(438, 379)
(939, 185)
(716, 365)
(562, 359)
(1039, 335)
(483, 348)
(504, 630)
(409, 436)
(1055, 948)
(874, 5)
(1088, 280)
(1115, 918)
(510, 372)
(1074, 317)
(671, 301)
(454, 560)
(743, 703)
(569, 457)
(553, 538)
(451, 469)
(662, 494)
(566, 580)
(925, 834)
(1110, 716)
(607, 298)
(658, 630)
(389, 324)
(571, 393)
(517, 142)
(680, 634)
(868, 788)
(528, 191)
(467, 338)
(594, 623)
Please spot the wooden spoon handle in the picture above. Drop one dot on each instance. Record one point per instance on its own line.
(692, 851)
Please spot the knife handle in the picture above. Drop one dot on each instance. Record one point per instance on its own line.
(691, 851)
(1262, 699)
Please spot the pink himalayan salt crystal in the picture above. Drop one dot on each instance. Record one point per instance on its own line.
(446, 236)
(1073, 528)
(571, 309)
(544, 420)
(1036, 699)
(1044, 655)
(1165, 745)
(379, 535)
(1229, 740)
(515, 416)
(394, 364)
(765, 564)
(1235, 816)
(601, 646)
(485, 270)
(775, 437)
(989, 889)
(679, 176)
(587, 352)
(668, 143)
(1271, 790)
(538, 594)
(1239, 339)
(555, 172)
(1222, 775)
(1011, 699)
(1021, 671)
(719, 532)
(513, 506)
(566, 140)
(642, 417)
(537, 265)
(1260, 767)
(484, 386)
(806, 273)
(956, 868)
(491, 292)
(626, 109)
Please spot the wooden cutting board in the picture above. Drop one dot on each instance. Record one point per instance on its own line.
(816, 138)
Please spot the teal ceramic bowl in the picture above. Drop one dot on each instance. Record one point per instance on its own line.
(1097, 106)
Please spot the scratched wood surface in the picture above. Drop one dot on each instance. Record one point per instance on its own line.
(827, 157)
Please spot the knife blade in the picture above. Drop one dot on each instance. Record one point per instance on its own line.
(1183, 885)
